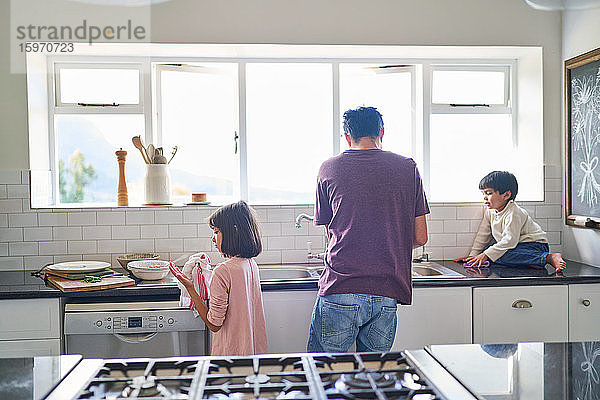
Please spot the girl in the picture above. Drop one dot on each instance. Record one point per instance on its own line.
(235, 312)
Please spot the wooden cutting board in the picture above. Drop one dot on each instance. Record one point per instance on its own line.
(67, 285)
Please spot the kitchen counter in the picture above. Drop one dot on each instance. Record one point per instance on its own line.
(20, 284)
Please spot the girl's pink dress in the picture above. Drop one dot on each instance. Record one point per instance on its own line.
(235, 303)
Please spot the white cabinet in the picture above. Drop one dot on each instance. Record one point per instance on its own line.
(584, 312)
(288, 315)
(29, 327)
(436, 316)
(520, 314)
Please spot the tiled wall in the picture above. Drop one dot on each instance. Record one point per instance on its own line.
(30, 239)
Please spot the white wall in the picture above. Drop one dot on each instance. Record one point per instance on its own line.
(581, 33)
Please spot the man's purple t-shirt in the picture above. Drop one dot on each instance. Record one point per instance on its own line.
(369, 200)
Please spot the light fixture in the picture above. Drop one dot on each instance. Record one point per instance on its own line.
(564, 5)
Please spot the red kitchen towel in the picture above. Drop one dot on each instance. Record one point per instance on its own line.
(199, 270)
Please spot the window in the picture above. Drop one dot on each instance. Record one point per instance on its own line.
(256, 122)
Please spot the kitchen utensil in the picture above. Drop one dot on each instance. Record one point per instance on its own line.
(79, 266)
(150, 152)
(125, 259)
(172, 154)
(137, 142)
(149, 269)
(159, 159)
(68, 285)
(122, 199)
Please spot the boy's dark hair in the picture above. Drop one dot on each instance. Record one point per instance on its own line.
(363, 122)
(500, 181)
(241, 237)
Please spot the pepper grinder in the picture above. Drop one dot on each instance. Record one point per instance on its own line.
(122, 199)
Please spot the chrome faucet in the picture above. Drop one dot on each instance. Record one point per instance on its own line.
(302, 216)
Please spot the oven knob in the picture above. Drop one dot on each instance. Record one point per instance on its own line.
(171, 320)
(160, 325)
(98, 323)
(108, 319)
(108, 327)
(160, 317)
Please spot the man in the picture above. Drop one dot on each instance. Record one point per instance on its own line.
(373, 206)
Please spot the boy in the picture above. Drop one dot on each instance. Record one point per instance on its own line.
(519, 240)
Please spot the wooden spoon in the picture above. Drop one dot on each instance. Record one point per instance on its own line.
(137, 142)
(150, 152)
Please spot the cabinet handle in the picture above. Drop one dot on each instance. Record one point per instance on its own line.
(585, 302)
(522, 304)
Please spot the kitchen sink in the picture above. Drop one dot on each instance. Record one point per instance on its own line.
(422, 270)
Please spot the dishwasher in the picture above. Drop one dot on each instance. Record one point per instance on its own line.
(134, 329)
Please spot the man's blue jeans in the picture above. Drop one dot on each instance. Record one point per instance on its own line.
(340, 319)
(525, 254)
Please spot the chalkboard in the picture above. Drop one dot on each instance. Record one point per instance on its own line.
(582, 117)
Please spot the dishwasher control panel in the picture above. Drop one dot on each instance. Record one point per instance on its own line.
(132, 321)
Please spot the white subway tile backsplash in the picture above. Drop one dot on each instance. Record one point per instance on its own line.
(280, 243)
(269, 257)
(281, 215)
(270, 229)
(183, 231)
(435, 253)
(52, 219)
(437, 212)
(37, 234)
(125, 232)
(11, 205)
(139, 217)
(553, 185)
(205, 231)
(34, 263)
(261, 213)
(317, 243)
(111, 246)
(469, 212)
(53, 248)
(169, 245)
(67, 233)
(452, 253)
(196, 245)
(67, 258)
(11, 234)
(96, 232)
(25, 176)
(196, 216)
(11, 263)
(154, 231)
(3, 220)
(82, 247)
(465, 239)
(3, 192)
(442, 239)
(17, 191)
(168, 217)
(289, 228)
(110, 218)
(23, 249)
(455, 226)
(139, 246)
(553, 198)
(553, 171)
(22, 220)
(435, 226)
(548, 211)
(555, 224)
(81, 218)
(554, 238)
(294, 256)
(10, 177)
(3, 249)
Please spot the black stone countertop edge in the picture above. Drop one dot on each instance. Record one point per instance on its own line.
(576, 273)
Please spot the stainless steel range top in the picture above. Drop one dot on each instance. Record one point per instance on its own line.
(400, 375)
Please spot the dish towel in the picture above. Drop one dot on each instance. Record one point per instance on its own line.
(199, 270)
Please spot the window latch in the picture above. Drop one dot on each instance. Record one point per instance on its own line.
(468, 105)
(235, 140)
(98, 104)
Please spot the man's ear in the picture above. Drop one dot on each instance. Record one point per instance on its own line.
(381, 134)
(348, 139)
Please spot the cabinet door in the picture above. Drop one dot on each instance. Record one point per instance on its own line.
(520, 314)
(436, 316)
(29, 348)
(288, 315)
(30, 319)
(584, 312)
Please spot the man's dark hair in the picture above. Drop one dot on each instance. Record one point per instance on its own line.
(363, 122)
(500, 181)
(241, 237)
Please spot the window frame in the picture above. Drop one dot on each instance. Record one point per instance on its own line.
(422, 68)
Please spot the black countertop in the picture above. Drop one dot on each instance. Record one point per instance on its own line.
(20, 284)
(524, 371)
(33, 377)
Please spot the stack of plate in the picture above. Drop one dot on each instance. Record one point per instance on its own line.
(79, 269)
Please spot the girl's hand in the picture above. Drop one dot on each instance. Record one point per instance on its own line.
(187, 282)
(461, 259)
(477, 260)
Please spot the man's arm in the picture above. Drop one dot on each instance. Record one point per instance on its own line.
(420, 232)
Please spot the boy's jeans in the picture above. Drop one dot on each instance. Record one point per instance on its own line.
(526, 253)
(340, 319)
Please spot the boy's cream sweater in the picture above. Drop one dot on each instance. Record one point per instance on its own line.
(509, 227)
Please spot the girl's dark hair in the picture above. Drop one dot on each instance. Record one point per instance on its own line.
(241, 237)
(500, 181)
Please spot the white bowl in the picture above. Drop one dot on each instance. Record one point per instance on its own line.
(149, 270)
